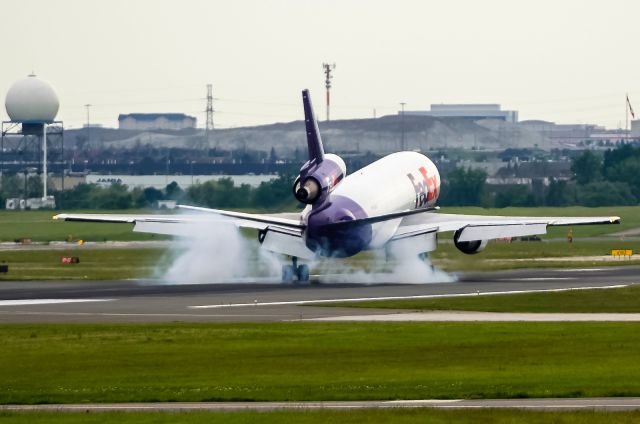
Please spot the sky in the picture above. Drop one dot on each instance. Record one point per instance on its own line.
(565, 61)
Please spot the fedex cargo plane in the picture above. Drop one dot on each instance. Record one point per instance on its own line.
(389, 203)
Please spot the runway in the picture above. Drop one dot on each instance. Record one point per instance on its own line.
(555, 404)
(149, 301)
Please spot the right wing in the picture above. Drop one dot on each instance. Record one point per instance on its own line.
(480, 227)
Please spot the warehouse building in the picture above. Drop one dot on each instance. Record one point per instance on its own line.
(156, 121)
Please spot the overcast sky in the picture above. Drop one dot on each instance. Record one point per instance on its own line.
(568, 61)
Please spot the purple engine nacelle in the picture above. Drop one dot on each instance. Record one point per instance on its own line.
(316, 180)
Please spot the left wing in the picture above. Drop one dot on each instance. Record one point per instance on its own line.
(175, 224)
(479, 227)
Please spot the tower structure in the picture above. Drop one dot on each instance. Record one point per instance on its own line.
(328, 68)
(209, 124)
(32, 140)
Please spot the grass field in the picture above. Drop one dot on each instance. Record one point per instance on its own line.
(122, 263)
(95, 264)
(329, 361)
(500, 255)
(38, 226)
(621, 300)
(327, 416)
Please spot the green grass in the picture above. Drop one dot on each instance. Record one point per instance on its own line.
(316, 361)
(620, 300)
(499, 255)
(399, 416)
(39, 226)
(122, 263)
(95, 264)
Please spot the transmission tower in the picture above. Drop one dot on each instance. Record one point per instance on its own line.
(209, 125)
(327, 82)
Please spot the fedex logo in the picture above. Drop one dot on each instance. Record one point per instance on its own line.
(426, 187)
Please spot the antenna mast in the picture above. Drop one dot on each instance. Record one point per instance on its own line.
(209, 125)
(327, 82)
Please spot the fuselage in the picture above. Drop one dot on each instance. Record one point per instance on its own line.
(398, 182)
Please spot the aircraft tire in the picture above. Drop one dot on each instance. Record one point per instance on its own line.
(303, 272)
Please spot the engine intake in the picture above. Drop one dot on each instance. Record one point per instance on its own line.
(307, 193)
(317, 180)
(468, 247)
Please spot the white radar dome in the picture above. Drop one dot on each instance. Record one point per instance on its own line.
(32, 100)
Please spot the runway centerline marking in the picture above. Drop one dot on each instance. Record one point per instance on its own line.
(425, 296)
(25, 302)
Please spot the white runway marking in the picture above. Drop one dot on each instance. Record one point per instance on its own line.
(538, 279)
(23, 302)
(581, 269)
(365, 299)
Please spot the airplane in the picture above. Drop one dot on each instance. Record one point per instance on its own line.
(388, 204)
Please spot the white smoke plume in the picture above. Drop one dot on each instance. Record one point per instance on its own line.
(398, 265)
(217, 252)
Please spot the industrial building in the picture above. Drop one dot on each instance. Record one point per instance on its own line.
(156, 121)
(471, 111)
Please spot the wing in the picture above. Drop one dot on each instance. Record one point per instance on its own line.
(281, 233)
(479, 227)
(177, 224)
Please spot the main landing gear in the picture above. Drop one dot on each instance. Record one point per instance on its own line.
(295, 271)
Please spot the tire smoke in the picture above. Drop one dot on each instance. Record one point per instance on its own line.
(217, 252)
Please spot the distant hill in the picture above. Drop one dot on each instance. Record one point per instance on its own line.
(378, 136)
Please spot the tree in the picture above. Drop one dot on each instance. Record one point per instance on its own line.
(587, 168)
(173, 191)
(464, 187)
(516, 195)
(605, 193)
(559, 193)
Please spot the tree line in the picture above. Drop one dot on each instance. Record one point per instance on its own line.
(609, 179)
(612, 178)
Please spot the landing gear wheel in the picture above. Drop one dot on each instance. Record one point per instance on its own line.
(303, 272)
(287, 273)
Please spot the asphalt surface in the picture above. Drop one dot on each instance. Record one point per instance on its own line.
(557, 404)
(149, 301)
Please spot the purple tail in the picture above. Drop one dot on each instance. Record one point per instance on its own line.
(314, 142)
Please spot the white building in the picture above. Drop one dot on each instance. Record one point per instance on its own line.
(155, 121)
(635, 128)
(471, 111)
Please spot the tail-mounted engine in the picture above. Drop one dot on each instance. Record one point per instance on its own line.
(316, 180)
(469, 247)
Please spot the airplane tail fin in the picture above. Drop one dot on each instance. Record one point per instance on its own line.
(314, 142)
